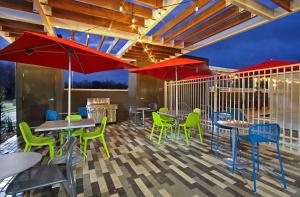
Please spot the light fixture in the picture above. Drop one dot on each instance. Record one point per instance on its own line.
(159, 15)
(121, 9)
(133, 20)
(196, 8)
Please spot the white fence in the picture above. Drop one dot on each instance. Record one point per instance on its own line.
(258, 96)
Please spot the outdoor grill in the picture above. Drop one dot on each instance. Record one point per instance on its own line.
(99, 107)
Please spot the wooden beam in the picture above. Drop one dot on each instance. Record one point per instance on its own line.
(218, 6)
(188, 11)
(150, 50)
(217, 18)
(101, 41)
(17, 5)
(255, 7)
(112, 45)
(285, 4)
(45, 19)
(152, 3)
(141, 53)
(91, 10)
(22, 25)
(158, 48)
(240, 18)
(127, 7)
(83, 18)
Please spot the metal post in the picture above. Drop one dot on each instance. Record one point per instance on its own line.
(165, 94)
(69, 88)
(176, 92)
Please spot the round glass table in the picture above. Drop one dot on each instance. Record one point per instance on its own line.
(14, 163)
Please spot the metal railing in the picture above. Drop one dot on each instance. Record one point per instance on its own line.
(256, 96)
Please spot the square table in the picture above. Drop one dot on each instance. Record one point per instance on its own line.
(63, 124)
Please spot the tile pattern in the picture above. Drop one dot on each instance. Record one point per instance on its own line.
(140, 167)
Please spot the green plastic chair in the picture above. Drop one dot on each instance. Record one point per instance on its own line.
(32, 140)
(159, 123)
(192, 121)
(74, 132)
(198, 110)
(165, 118)
(98, 133)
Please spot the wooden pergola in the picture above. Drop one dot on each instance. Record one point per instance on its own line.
(145, 24)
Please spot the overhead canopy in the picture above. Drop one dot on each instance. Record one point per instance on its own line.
(49, 51)
(266, 67)
(167, 69)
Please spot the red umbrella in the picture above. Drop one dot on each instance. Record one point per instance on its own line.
(261, 67)
(198, 76)
(176, 68)
(49, 51)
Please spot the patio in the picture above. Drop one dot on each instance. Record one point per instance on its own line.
(140, 167)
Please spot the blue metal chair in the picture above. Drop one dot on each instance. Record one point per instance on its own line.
(215, 117)
(262, 133)
(82, 112)
(237, 114)
(51, 115)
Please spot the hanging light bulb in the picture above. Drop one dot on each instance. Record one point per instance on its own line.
(159, 14)
(133, 20)
(121, 9)
(196, 8)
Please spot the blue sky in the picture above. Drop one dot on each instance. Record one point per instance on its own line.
(278, 39)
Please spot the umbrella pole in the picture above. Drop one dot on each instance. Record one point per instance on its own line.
(69, 89)
(176, 92)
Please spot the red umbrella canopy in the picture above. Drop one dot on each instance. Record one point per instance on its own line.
(267, 65)
(167, 69)
(49, 51)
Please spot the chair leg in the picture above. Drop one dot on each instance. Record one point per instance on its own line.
(152, 131)
(26, 147)
(217, 142)
(160, 135)
(62, 141)
(29, 148)
(165, 132)
(105, 147)
(200, 130)
(281, 166)
(178, 131)
(257, 156)
(253, 170)
(172, 133)
(51, 150)
(186, 135)
(212, 137)
(85, 146)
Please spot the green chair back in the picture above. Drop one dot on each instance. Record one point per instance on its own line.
(164, 109)
(197, 110)
(192, 119)
(156, 119)
(74, 117)
(26, 131)
(103, 125)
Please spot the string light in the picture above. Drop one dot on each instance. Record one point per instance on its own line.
(159, 14)
(121, 9)
(133, 20)
(196, 8)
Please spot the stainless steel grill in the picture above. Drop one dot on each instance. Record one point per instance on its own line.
(99, 107)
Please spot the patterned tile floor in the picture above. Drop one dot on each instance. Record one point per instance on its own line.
(140, 167)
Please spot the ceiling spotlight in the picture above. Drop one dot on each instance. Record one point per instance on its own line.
(159, 15)
(121, 9)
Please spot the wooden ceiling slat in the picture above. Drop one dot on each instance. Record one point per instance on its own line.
(101, 41)
(188, 11)
(285, 4)
(152, 3)
(91, 10)
(113, 44)
(151, 50)
(242, 17)
(17, 5)
(226, 14)
(218, 6)
(157, 47)
(62, 14)
(45, 19)
(22, 25)
(146, 54)
(127, 7)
